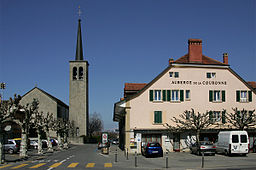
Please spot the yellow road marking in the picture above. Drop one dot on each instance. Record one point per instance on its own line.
(72, 165)
(55, 165)
(19, 166)
(38, 165)
(108, 165)
(90, 165)
(5, 166)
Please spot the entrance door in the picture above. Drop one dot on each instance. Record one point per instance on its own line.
(176, 142)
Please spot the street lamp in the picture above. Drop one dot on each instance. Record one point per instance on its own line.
(2, 86)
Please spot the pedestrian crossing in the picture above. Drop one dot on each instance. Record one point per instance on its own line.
(54, 165)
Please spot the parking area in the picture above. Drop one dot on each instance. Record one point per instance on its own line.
(185, 160)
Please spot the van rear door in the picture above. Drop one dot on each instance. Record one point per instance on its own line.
(243, 143)
(235, 146)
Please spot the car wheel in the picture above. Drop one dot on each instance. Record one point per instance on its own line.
(10, 151)
(226, 153)
(197, 152)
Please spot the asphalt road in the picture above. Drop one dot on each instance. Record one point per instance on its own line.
(88, 157)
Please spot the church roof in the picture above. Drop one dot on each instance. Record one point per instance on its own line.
(58, 101)
(79, 46)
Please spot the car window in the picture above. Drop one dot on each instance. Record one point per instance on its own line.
(235, 139)
(243, 138)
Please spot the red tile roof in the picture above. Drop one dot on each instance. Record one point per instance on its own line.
(205, 60)
(252, 83)
(134, 86)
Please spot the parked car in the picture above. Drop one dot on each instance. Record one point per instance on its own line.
(44, 143)
(115, 142)
(232, 142)
(54, 142)
(12, 146)
(203, 146)
(152, 149)
(33, 144)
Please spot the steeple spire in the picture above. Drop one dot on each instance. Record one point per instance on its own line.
(79, 46)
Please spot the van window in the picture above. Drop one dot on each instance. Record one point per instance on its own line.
(243, 139)
(235, 139)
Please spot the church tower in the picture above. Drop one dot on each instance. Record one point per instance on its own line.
(78, 89)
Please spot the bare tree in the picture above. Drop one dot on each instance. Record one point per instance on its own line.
(7, 110)
(95, 124)
(242, 119)
(38, 124)
(189, 120)
(47, 124)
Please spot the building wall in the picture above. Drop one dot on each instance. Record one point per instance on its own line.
(46, 104)
(78, 98)
(141, 109)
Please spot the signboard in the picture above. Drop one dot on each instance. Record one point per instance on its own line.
(138, 137)
(104, 137)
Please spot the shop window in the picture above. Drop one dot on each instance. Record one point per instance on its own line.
(158, 117)
(81, 73)
(74, 73)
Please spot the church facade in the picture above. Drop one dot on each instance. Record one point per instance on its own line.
(192, 81)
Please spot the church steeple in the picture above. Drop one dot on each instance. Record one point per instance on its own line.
(79, 46)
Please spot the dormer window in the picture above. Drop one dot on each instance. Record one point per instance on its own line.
(74, 73)
(81, 73)
(210, 75)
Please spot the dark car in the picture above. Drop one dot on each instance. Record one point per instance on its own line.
(203, 146)
(152, 149)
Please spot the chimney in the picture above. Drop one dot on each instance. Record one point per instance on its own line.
(171, 60)
(225, 58)
(195, 50)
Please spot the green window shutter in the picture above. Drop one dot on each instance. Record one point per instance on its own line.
(210, 115)
(210, 96)
(164, 95)
(250, 96)
(223, 118)
(155, 117)
(160, 116)
(238, 96)
(168, 95)
(223, 95)
(181, 95)
(151, 95)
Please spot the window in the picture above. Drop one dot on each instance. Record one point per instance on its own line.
(217, 96)
(235, 139)
(74, 73)
(215, 116)
(187, 94)
(157, 96)
(243, 96)
(157, 117)
(81, 73)
(174, 74)
(243, 138)
(210, 75)
(175, 95)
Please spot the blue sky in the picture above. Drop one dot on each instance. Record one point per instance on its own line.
(123, 40)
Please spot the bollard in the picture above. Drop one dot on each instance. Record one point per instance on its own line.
(116, 155)
(166, 159)
(127, 154)
(203, 159)
(135, 159)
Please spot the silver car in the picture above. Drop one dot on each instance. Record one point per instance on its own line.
(206, 147)
(12, 146)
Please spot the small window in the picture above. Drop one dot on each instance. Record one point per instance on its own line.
(235, 139)
(171, 74)
(174, 74)
(243, 138)
(157, 117)
(210, 75)
(216, 96)
(187, 94)
(157, 96)
(243, 96)
(74, 73)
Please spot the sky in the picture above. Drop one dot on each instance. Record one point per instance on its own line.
(123, 41)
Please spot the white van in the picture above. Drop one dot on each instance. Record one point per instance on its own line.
(232, 142)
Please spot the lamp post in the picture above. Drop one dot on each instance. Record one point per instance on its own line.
(2, 86)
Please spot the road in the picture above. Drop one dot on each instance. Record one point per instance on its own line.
(88, 157)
